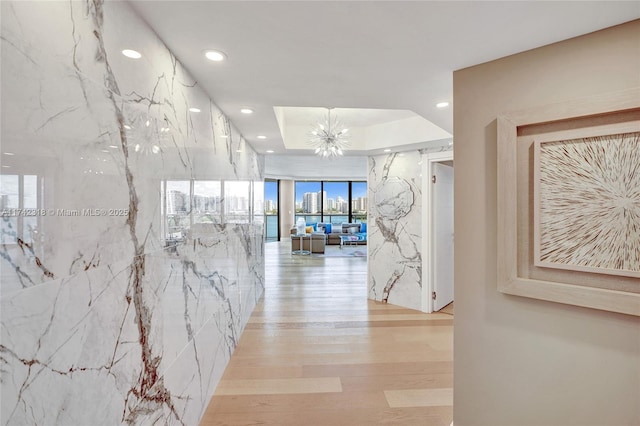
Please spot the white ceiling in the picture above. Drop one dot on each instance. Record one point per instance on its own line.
(386, 55)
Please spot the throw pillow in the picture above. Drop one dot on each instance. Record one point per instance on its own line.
(309, 229)
(363, 227)
(327, 228)
(313, 225)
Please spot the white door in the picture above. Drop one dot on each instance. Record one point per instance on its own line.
(442, 235)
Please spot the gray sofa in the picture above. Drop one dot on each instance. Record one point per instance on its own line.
(337, 230)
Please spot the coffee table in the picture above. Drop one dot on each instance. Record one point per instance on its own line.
(351, 239)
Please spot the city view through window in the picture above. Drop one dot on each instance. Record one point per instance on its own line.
(331, 202)
(186, 203)
(19, 192)
(271, 209)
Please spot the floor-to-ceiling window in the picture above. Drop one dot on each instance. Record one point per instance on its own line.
(359, 202)
(186, 203)
(176, 209)
(237, 196)
(20, 206)
(271, 202)
(308, 201)
(207, 197)
(335, 202)
(331, 201)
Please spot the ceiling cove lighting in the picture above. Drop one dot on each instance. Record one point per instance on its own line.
(329, 137)
(442, 104)
(133, 54)
(269, 151)
(215, 55)
(246, 111)
(194, 109)
(387, 150)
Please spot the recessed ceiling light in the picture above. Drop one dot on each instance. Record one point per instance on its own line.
(194, 109)
(6, 167)
(442, 104)
(387, 150)
(113, 146)
(105, 151)
(246, 111)
(269, 151)
(261, 137)
(238, 150)
(215, 55)
(133, 54)
(9, 153)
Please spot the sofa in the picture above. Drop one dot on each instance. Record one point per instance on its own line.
(334, 231)
(314, 242)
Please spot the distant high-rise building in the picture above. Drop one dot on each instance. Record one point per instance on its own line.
(206, 204)
(237, 204)
(359, 204)
(310, 202)
(177, 201)
(269, 205)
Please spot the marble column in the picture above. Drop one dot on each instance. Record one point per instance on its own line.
(395, 229)
(131, 255)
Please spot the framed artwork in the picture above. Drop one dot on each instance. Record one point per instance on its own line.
(569, 202)
(587, 204)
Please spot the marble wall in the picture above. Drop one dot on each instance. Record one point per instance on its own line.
(130, 254)
(395, 229)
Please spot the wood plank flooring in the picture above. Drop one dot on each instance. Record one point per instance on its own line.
(316, 351)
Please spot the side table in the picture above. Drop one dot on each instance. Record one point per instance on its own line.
(301, 250)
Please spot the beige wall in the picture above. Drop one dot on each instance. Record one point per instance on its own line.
(286, 207)
(522, 361)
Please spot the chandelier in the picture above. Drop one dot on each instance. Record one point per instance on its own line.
(329, 138)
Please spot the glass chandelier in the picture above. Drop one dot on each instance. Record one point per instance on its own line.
(329, 138)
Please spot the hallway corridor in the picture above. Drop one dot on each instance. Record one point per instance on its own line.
(316, 351)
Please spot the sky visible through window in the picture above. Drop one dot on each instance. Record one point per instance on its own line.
(271, 191)
(333, 191)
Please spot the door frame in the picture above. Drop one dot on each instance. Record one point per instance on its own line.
(428, 246)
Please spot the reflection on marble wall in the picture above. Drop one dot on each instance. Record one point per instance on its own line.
(395, 229)
(107, 317)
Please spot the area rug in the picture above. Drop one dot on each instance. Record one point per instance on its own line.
(335, 251)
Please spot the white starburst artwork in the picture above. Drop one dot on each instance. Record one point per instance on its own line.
(587, 204)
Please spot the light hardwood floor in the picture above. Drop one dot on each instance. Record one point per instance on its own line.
(317, 352)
